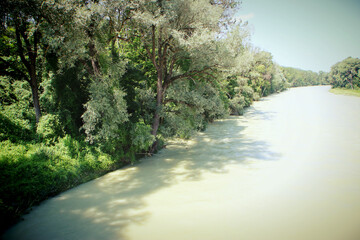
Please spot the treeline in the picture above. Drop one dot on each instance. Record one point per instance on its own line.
(88, 86)
(345, 74)
(299, 78)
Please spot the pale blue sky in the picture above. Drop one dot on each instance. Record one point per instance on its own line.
(308, 34)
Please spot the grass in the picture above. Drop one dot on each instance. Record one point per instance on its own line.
(345, 91)
(33, 172)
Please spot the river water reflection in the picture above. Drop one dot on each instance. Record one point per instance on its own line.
(288, 169)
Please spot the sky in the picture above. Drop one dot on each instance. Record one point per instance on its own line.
(306, 34)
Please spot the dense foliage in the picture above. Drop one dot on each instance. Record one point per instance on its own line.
(346, 74)
(299, 78)
(88, 86)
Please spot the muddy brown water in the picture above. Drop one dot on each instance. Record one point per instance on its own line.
(288, 169)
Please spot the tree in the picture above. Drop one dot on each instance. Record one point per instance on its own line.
(84, 45)
(346, 73)
(105, 112)
(297, 77)
(181, 39)
(21, 35)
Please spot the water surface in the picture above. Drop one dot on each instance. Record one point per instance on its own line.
(288, 169)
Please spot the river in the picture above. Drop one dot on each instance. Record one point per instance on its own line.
(289, 169)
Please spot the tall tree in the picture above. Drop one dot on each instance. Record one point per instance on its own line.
(21, 23)
(182, 40)
(84, 38)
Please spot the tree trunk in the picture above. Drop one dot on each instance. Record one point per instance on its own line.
(35, 95)
(36, 102)
(31, 51)
(93, 55)
(159, 103)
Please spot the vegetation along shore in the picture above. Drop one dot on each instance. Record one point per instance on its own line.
(87, 87)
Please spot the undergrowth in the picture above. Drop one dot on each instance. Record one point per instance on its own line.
(33, 172)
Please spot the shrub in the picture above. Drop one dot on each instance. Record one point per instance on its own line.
(256, 96)
(142, 139)
(13, 131)
(49, 128)
(106, 112)
(31, 173)
(248, 94)
(237, 105)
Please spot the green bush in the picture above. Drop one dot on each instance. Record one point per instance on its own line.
(237, 105)
(31, 173)
(49, 128)
(256, 96)
(13, 131)
(248, 94)
(142, 138)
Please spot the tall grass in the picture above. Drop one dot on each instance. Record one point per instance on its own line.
(33, 172)
(345, 91)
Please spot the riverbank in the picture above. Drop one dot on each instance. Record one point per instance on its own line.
(275, 173)
(345, 91)
(33, 172)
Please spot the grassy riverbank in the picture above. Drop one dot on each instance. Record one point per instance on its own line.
(33, 172)
(345, 91)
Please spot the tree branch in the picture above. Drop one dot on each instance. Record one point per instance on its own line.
(189, 74)
(173, 60)
(160, 56)
(153, 47)
(88, 68)
(169, 73)
(179, 101)
(36, 41)
(20, 48)
(17, 74)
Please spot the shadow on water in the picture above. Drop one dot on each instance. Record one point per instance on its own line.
(256, 114)
(105, 207)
